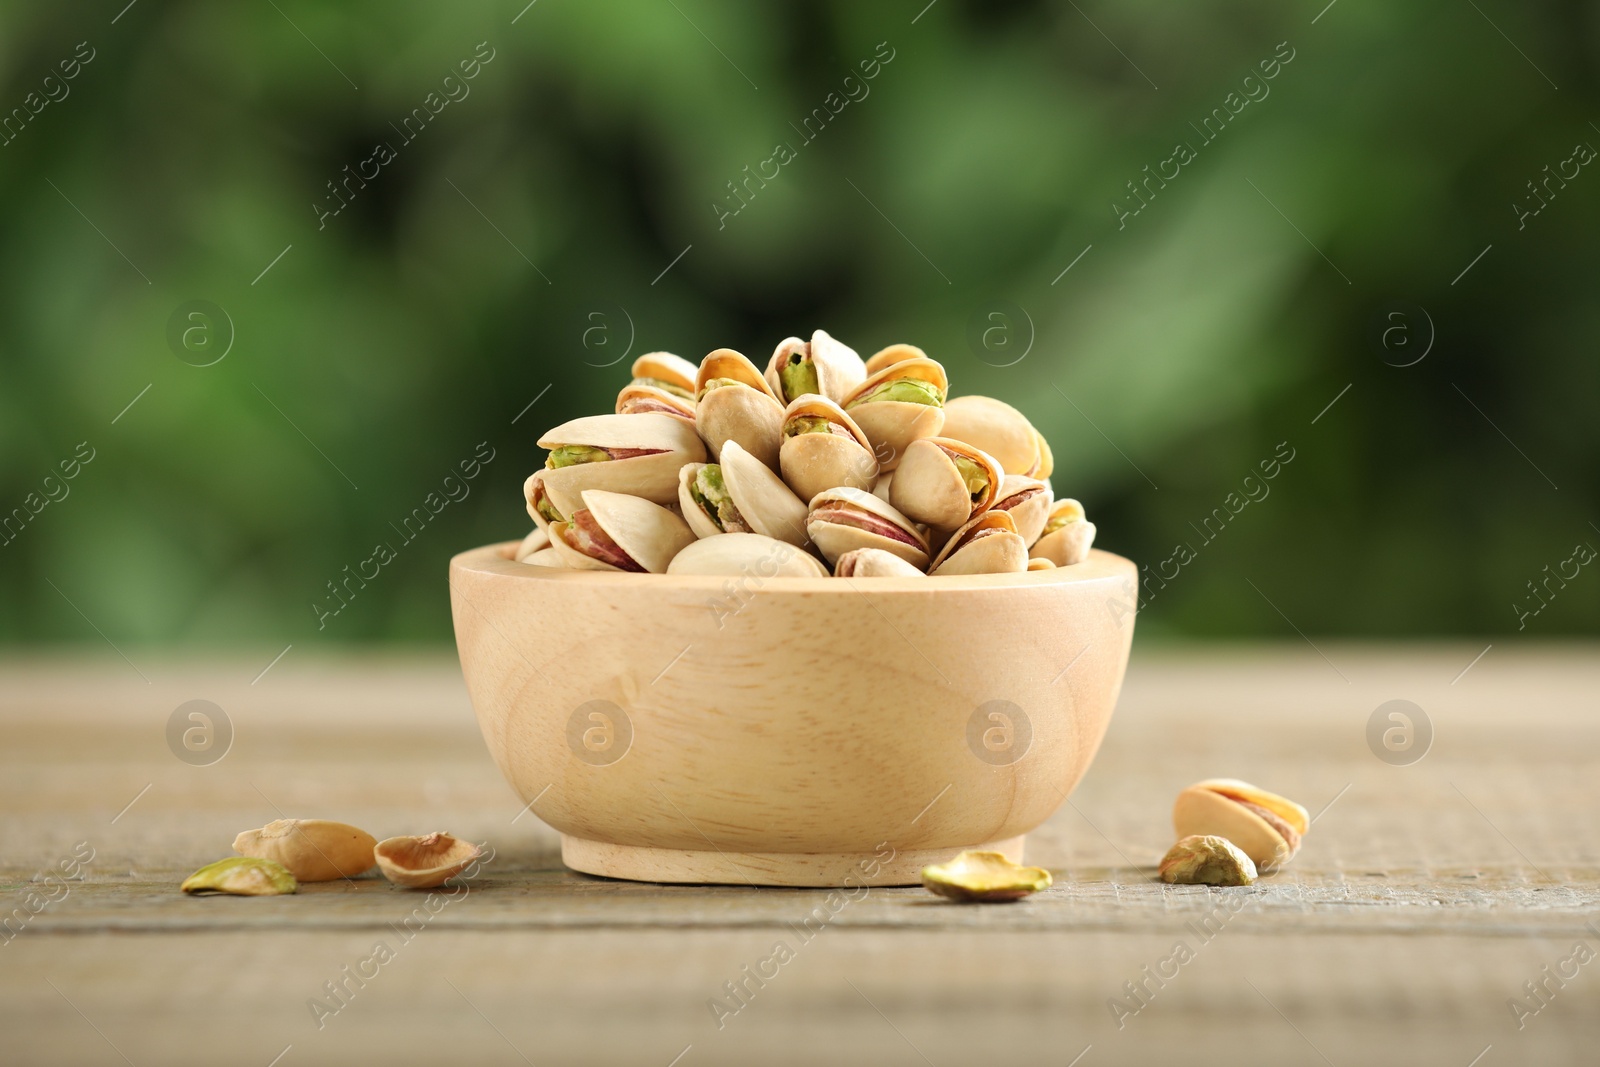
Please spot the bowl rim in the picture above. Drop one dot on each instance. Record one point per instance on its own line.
(494, 560)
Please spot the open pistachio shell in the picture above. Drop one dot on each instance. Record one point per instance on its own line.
(843, 519)
(541, 508)
(1067, 536)
(997, 428)
(989, 544)
(667, 443)
(893, 354)
(740, 495)
(1265, 826)
(1028, 501)
(314, 850)
(873, 563)
(1047, 459)
(545, 557)
(424, 862)
(979, 876)
(890, 420)
(943, 482)
(242, 876)
(735, 403)
(673, 373)
(620, 533)
(639, 398)
(536, 541)
(746, 555)
(821, 365)
(823, 448)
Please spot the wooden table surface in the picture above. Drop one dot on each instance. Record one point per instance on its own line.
(1426, 900)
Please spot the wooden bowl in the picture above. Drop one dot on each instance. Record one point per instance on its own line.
(790, 731)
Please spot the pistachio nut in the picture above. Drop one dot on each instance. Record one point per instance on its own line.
(989, 544)
(537, 541)
(746, 555)
(893, 354)
(242, 876)
(735, 403)
(822, 365)
(671, 374)
(823, 448)
(902, 402)
(1265, 826)
(424, 862)
(1067, 534)
(640, 398)
(739, 495)
(617, 532)
(1028, 501)
(873, 563)
(1039, 563)
(942, 482)
(997, 428)
(314, 850)
(982, 877)
(541, 508)
(1205, 859)
(634, 454)
(842, 519)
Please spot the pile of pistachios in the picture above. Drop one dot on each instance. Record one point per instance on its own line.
(868, 465)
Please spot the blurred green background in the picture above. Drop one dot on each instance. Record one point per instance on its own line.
(522, 240)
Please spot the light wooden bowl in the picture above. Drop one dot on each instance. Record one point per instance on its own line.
(790, 731)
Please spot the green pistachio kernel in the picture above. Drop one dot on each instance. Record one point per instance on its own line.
(904, 391)
(709, 492)
(807, 424)
(548, 511)
(799, 377)
(572, 455)
(719, 383)
(666, 386)
(974, 475)
(244, 876)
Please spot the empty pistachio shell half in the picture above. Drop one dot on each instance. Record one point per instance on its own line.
(893, 354)
(843, 519)
(242, 876)
(1265, 826)
(740, 495)
(980, 876)
(1067, 535)
(634, 454)
(746, 555)
(617, 532)
(1205, 859)
(536, 541)
(735, 403)
(943, 482)
(314, 850)
(997, 428)
(1028, 501)
(821, 365)
(424, 862)
(899, 404)
(989, 544)
(873, 563)
(823, 448)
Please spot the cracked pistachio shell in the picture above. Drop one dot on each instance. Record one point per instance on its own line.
(1028, 501)
(746, 554)
(666, 367)
(424, 862)
(883, 357)
(1202, 859)
(980, 876)
(1070, 542)
(891, 425)
(765, 504)
(537, 541)
(812, 462)
(843, 519)
(1265, 826)
(649, 533)
(654, 476)
(873, 563)
(929, 488)
(242, 876)
(638, 398)
(314, 850)
(747, 411)
(997, 428)
(837, 367)
(539, 502)
(989, 544)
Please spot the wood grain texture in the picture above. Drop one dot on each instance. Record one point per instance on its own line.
(1425, 897)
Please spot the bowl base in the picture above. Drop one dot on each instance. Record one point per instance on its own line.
(885, 867)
